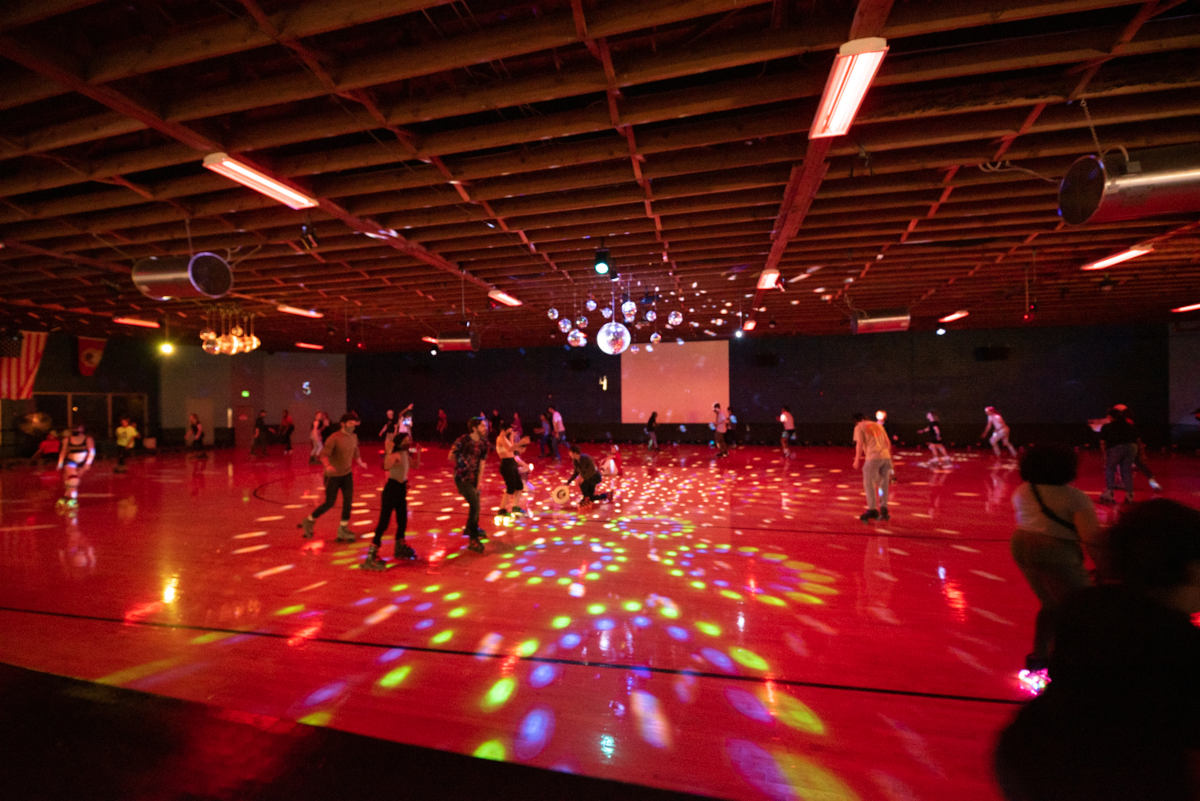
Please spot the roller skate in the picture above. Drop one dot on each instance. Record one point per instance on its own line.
(66, 505)
(475, 544)
(307, 525)
(405, 551)
(503, 518)
(1034, 681)
(1107, 498)
(373, 562)
(344, 534)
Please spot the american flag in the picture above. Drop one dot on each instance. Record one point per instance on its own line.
(17, 373)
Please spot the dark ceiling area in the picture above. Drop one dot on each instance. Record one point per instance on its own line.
(455, 148)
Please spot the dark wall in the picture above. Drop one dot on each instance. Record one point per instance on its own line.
(1047, 382)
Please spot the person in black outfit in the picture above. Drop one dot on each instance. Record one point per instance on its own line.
(1118, 442)
(1120, 718)
(589, 477)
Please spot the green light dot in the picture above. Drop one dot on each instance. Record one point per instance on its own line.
(711, 629)
(442, 636)
(676, 572)
(512, 574)
(290, 610)
(632, 606)
(535, 580)
(698, 585)
(499, 694)
(771, 600)
(399, 587)
(668, 561)
(457, 612)
(748, 659)
(612, 568)
(527, 648)
(560, 622)
(592, 576)
(595, 609)
(669, 611)
(432, 588)
(564, 581)
(452, 596)
(321, 718)
(731, 595)
(493, 750)
(395, 677)
(622, 558)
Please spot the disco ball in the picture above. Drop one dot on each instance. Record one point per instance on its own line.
(581, 321)
(674, 318)
(564, 325)
(208, 333)
(678, 340)
(606, 313)
(649, 348)
(655, 338)
(576, 339)
(651, 315)
(613, 338)
(210, 346)
(591, 304)
(552, 313)
(236, 331)
(629, 309)
(634, 349)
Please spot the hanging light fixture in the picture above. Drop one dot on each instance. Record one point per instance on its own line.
(601, 261)
(229, 330)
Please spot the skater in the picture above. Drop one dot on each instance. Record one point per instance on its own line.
(558, 432)
(589, 477)
(1055, 522)
(339, 455)
(1139, 457)
(873, 451)
(394, 499)
(933, 438)
(788, 435)
(1118, 446)
(443, 423)
(468, 454)
(262, 432)
(74, 459)
(999, 429)
(388, 431)
(508, 447)
(651, 431)
(194, 438)
(316, 435)
(720, 427)
(286, 426)
(127, 435)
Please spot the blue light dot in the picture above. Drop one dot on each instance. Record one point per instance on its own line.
(424, 624)
(641, 621)
(677, 633)
(570, 640)
(604, 624)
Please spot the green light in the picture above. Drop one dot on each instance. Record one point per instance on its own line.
(771, 600)
(698, 584)
(748, 659)
(677, 572)
(395, 677)
(595, 609)
(592, 576)
(493, 750)
(527, 648)
(512, 574)
(612, 568)
(669, 611)
(452, 596)
(321, 718)
(731, 595)
(535, 580)
(564, 581)
(795, 714)
(432, 588)
(212, 636)
(399, 587)
(290, 610)
(442, 637)
(499, 694)
(711, 629)
(457, 612)
(632, 606)
(560, 622)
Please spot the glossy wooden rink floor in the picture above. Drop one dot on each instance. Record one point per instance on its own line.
(727, 628)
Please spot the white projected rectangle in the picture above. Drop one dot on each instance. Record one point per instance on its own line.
(680, 382)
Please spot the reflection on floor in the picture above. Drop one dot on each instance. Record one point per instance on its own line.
(723, 627)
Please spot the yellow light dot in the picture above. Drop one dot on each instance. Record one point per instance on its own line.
(499, 694)
(632, 606)
(493, 750)
(748, 658)
(290, 610)
(442, 636)
(527, 648)
(395, 677)
(452, 596)
(595, 609)
(669, 611)
(560, 622)
(711, 629)
(457, 612)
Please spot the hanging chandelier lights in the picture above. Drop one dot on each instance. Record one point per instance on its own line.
(229, 330)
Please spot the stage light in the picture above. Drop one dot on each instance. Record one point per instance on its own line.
(749, 325)
(166, 348)
(299, 312)
(849, 78)
(136, 321)
(1190, 308)
(247, 176)
(958, 315)
(768, 278)
(941, 332)
(501, 296)
(600, 263)
(308, 237)
(1132, 253)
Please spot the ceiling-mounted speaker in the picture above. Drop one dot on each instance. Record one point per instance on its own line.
(880, 322)
(170, 277)
(1131, 185)
(458, 341)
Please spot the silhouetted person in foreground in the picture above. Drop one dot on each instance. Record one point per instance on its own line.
(1121, 716)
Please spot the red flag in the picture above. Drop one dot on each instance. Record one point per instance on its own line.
(18, 372)
(91, 349)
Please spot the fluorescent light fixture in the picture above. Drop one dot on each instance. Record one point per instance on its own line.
(749, 325)
(500, 296)
(430, 340)
(851, 75)
(136, 321)
(298, 312)
(1132, 253)
(1181, 309)
(958, 315)
(235, 170)
(309, 346)
(768, 278)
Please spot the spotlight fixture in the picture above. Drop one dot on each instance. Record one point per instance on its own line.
(1132, 253)
(308, 237)
(768, 278)
(283, 307)
(500, 296)
(748, 325)
(600, 263)
(247, 176)
(851, 75)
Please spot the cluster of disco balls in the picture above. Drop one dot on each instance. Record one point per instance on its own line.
(233, 341)
(613, 337)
